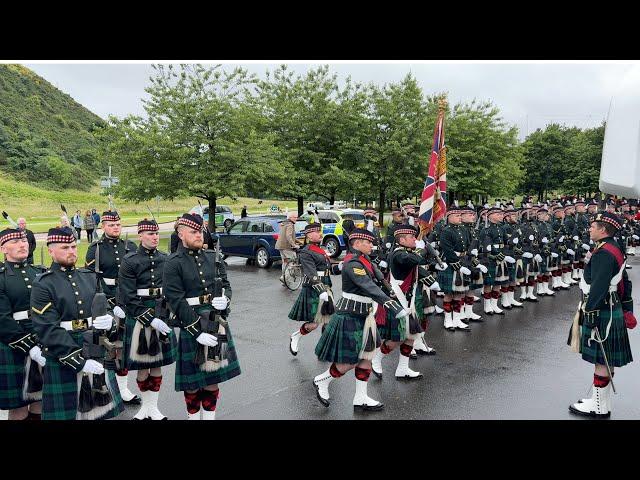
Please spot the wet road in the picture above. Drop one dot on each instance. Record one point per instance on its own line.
(515, 366)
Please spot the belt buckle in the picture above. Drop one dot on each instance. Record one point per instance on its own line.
(79, 324)
(205, 298)
(154, 291)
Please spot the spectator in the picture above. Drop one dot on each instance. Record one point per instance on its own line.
(244, 212)
(96, 221)
(286, 242)
(77, 224)
(22, 225)
(89, 225)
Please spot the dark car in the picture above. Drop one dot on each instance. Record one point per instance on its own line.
(255, 238)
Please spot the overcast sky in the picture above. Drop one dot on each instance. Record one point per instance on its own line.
(529, 95)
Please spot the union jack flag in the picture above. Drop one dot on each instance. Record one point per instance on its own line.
(434, 196)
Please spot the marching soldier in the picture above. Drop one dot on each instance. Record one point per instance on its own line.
(544, 232)
(512, 237)
(314, 305)
(351, 337)
(607, 309)
(149, 342)
(74, 386)
(21, 358)
(473, 258)
(112, 251)
(581, 238)
(197, 290)
(405, 280)
(493, 241)
(561, 258)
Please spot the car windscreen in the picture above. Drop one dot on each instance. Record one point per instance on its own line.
(353, 216)
(239, 227)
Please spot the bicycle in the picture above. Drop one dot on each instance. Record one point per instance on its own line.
(293, 274)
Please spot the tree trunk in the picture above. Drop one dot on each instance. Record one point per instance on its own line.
(300, 205)
(212, 213)
(332, 198)
(381, 201)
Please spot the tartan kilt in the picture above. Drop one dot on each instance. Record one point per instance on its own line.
(511, 272)
(423, 301)
(306, 305)
(341, 341)
(616, 345)
(167, 353)
(189, 376)
(490, 278)
(13, 376)
(446, 279)
(395, 330)
(60, 390)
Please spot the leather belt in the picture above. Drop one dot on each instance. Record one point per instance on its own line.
(201, 300)
(24, 315)
(109, 281)
(81, 324)
(356, 298)
(149, 292)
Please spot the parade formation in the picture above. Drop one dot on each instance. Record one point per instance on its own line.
(69, 334)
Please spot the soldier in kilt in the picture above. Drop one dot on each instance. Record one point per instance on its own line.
(558, 249)
(545, 232)
(351, 337)
(405, 282)
(398, 219)
(581, 237)
(531, 257)
(189, 280)
(607, 309)
(572, 238)
(21, 358)
(149, 342)
(112, 251)
(425, 309)
(513, 248)
(74, 386)
(493, 242)
(454, 279)
(478, 270)
(314, 305)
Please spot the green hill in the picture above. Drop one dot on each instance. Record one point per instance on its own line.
(45, 136)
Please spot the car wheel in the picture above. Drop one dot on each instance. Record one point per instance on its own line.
(227, 223)
(333, 247)
(263, 259)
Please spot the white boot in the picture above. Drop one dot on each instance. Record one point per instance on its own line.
(362, 400)
(475, 299)
(494, 306)
(293, 342)
(448, 321)
(512, 301)
(566, 278)
(127, 395)
(420, 346)
(540, 289)
(207, 415)
(152, 405)
(523, 293)
(530, 294)
(321, 384)
(599, 405)
(580, 273)
(458, 323)
(143, 414)
(194, 416)
(376, 363)
(506, 304)
(547, 290)
(403, 370)
(438, 310)
(574, 275)
(488, 306)
(561, 283)
(473, 317)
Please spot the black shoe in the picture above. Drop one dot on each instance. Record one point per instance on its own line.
(413, 356)
(136, 400)
(370, 408)
(588, 414)
(506, 308)
(323, 401)
(468, 330)
(451, 329)
(377, 374)
(479, 320)
(520, 306)
(407, 377)
(423, 352)
(291, 349)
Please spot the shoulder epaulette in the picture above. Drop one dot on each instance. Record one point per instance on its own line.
(85, 270)
(42, 275)
(130, 254)
(172, 255)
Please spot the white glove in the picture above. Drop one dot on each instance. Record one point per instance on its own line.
(554, 255)
(509, 259)
(220, 303)
(36, 355)
(575, 237)
(488, 248)
(91, 366)
(538, 257)
(403, 313)
(103, 322)
(388, 245)
(434, 244)
(586, 247)
(324, 296)
(515, 241)
(545, 240)
(207, 339)
(118, 312)
(571, 252)
(483, 269)
(435, 286)
(341, 264)
(474, 252)
(531, 237)
(420, 244)
(444, 267)
(465, 270)
(160, 326)
(635, 237)
(383, 264)
(527, 255)
(561, 239)
(590, 242)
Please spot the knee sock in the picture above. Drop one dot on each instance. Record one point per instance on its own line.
(123, 372)
(447, 307)
(599, 381)
(145, 384)
(362, 374)
(193, 402)
(405, 349)
(209, 399)
(303, 330)
(154, 383)
(468, 300)
(384, 348)
(456, 306)
(334, 372)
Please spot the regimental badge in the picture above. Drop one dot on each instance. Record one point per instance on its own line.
(79, 324)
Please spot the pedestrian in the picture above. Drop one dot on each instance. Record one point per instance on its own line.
(607, 310)
(77, 224)
(189, 282)
(89, 225)
(22, 225)
(74, 387)
(286, 242)
(96, 221)
(243, 214)
(21, 358)
(149, 342)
